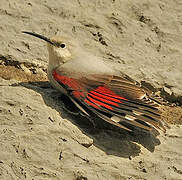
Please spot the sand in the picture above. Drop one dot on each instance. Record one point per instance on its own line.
(39, 139)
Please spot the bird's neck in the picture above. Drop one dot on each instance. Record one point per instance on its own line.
(52, 65)
(50, 70)
(52, 81)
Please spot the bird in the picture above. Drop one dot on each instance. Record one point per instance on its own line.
(97, 89)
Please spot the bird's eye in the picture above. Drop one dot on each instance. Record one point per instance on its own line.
(62, 45)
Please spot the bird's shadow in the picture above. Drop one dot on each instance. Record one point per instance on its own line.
(112, 140)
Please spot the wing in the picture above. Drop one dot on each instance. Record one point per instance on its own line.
(116, 99)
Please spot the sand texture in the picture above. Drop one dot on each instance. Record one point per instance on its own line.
(39, 139)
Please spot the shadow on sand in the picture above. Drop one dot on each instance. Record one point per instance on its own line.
(112, 140)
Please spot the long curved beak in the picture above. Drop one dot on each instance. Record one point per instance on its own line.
(39, 36)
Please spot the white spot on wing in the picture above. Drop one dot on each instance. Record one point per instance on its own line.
(115, 119)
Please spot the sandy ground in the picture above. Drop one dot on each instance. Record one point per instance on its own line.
(39, 140)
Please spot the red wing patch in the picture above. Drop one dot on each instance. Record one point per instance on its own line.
(99, 103)
(100, 97)
(108, 92)
(104, 97)
(91, 104)
(70, 83)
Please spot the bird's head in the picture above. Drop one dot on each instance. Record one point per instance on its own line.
(59, 50)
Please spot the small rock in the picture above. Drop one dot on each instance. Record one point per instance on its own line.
(86, 142)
